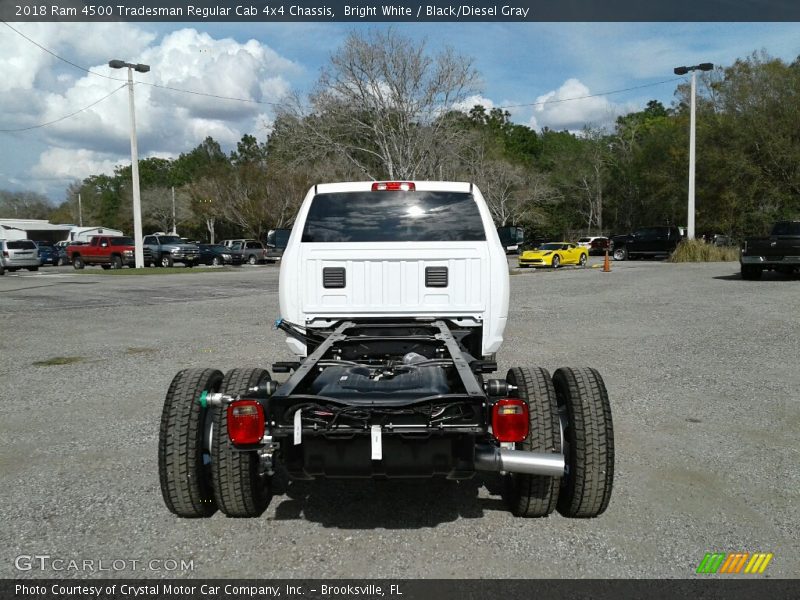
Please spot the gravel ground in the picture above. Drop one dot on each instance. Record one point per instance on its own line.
(701, 368)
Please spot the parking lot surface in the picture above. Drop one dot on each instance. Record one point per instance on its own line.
(701, 368)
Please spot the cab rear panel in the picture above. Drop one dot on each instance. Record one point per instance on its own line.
(432, 252)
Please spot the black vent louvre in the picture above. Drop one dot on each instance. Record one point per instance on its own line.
(333, 277)
(436, 277)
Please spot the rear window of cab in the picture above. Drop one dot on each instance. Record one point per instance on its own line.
(394, 216)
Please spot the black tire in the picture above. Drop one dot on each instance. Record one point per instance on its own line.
(185, 479)
(166, 261)
(239, 489)
(535, 495)
(588, 442)
(77, 263)
(189, 264)
(105, 267)
(116, 262)
(556, 261)
(251, 260)
(620, 254)
(33, 268)
(216, 261)
(751, 272)
(2, 270)
(582, 260)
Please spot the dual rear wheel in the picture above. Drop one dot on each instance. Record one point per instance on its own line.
(569, 413)
(199, 470)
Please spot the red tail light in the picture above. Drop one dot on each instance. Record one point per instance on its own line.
(393, 186)
(245, 422)
(510, 420)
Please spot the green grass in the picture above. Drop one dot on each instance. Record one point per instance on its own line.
(150, 271)
(59, 360)
(697, 251)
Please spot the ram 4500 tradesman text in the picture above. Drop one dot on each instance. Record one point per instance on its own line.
(394, 297)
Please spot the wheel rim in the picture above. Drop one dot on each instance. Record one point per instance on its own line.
(556, 262)
(165, 262)
(215, 261)
(618, 254)
(252, 260)
(583, 260)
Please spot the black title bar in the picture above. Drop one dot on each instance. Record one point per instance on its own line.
(399, 10)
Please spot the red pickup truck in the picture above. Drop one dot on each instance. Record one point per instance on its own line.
(110, 252)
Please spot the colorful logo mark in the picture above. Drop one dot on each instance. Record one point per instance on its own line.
(735, 563)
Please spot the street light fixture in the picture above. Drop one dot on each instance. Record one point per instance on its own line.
(137, 203)
(684, 71)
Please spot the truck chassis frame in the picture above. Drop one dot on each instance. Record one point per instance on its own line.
(351, 409)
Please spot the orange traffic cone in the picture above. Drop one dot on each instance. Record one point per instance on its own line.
(606, 264)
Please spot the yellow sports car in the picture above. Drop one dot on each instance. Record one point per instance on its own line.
(554, 254)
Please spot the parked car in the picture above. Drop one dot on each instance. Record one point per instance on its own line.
(62, 257)
(18, 254)
(252, 251)
(718, 239)
(778, 252)
(599, 245)
(108, 251)
(47, 253)
(215, 254)
(647, 241)
(170, 249)
(276, 242)
(554, 254)
(586, 242)
(511, 238)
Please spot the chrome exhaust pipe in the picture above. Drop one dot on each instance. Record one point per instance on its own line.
(491, 458)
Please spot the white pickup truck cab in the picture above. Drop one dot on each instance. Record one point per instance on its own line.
(389, 250)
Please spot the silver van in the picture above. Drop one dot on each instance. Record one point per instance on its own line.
(18, 254)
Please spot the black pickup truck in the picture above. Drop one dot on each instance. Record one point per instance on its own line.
(778, 252)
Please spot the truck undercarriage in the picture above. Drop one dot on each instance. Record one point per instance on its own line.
(383, 400)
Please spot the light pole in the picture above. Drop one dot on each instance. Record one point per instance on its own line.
(137, 203)
(174, 228)
(690, 210)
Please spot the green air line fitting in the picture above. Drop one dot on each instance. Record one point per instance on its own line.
(203, 397)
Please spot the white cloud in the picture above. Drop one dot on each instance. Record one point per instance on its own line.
(572, 107)
(37, 88)
(26, 66)
(468, 103)
(64, 165)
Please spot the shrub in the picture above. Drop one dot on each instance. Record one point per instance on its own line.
(698, 251)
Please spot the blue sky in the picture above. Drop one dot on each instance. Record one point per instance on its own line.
(519, 63)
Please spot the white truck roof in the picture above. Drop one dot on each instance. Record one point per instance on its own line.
(379, 251)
